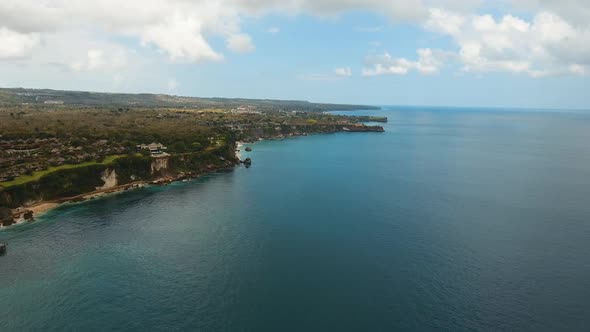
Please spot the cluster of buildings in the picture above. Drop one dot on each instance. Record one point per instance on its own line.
(155, 149)
(53, 102)
(245, 109)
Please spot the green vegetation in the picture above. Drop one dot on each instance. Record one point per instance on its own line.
(216, 144)
(62, 183)
(58, 144)
(39, 174)
(133, 168)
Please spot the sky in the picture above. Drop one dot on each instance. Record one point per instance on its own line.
(501, 53)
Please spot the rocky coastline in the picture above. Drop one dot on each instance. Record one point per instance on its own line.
(28, 212)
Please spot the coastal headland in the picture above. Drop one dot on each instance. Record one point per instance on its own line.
(58, 147)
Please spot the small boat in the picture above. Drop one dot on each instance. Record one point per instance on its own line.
(2, 249)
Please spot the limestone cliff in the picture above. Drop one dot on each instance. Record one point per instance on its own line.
(109, 176)
(79, 180)
(160, 165)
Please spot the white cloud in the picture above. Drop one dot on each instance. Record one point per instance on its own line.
(181, 29)
(547, 45)
(556, 41)
(16, 45)
(178, 28)
(274, 30)
(576, 12)
(79, 52)
(343, 72)
(28, 16)
(180, 37)
(429, 62)
(445, 22)
(240, 43)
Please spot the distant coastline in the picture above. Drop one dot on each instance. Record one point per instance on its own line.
(60, 98)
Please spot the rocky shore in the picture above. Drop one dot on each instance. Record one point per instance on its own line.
(28, 212)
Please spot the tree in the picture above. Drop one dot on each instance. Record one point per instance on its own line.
(197, 146)
(179, 146)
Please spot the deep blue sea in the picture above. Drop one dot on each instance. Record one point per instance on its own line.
(453, 219)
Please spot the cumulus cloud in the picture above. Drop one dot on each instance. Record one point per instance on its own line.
(183, 28)
(16, 45)
(28, 16)
(179, 29)
(555, 41)
(576, 12)
(180, 37)
(429, 62)
(546, 45)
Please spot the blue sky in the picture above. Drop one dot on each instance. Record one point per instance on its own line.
(531, 53)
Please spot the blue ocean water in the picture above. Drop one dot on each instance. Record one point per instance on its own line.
(453, 219)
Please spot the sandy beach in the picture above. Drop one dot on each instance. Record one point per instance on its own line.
(42, 208)
(37, 209)
(239, 146)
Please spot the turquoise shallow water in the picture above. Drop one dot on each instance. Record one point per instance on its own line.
(453, 219)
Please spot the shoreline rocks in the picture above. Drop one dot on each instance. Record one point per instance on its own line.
(6, 217)
(10, 217)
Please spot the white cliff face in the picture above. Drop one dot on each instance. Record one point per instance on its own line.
(109, 176)
(160, 164)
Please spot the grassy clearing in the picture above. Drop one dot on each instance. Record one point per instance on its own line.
(217, 143)
(39, 174)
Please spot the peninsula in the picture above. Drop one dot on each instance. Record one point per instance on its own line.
(59, 146)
